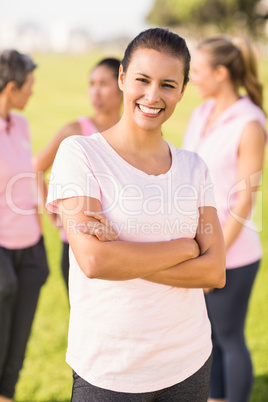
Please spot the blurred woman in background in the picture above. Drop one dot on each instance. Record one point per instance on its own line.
(23, 264)
(106, 99)
(228, 132)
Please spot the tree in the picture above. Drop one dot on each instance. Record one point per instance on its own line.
(223, 13)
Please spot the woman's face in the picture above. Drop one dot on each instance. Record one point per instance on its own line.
(20, 96)
(152, 86)
(203, 75)
(104, 93)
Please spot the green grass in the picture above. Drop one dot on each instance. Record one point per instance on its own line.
(60, 97)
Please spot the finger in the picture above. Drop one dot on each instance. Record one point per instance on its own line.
(96, 214)
(102, 235)
(99, 216)
(104, 221)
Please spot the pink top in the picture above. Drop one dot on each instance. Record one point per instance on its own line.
(134, 336)
(18, 191)
(219, 149)
(87, 126)
(87, 129)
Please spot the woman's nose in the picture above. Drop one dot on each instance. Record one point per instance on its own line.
(152, 94)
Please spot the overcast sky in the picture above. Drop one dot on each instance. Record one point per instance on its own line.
(102, 18)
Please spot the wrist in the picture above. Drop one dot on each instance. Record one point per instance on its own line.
(191, 248)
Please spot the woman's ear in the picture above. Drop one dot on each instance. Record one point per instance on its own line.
(10, 88)
(221, 73)
(121, 78)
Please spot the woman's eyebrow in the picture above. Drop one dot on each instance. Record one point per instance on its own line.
(165, 80)
(172, 81)
(144, 75)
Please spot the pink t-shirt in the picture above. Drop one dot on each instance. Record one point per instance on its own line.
(134, 336)
(18, 191)
(87, 129)
(219, 149)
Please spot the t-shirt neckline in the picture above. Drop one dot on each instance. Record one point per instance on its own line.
(133, 168)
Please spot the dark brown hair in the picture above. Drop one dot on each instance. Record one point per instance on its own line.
(111, 63)
(161, 40)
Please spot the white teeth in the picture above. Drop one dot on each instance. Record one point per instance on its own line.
(149, 110)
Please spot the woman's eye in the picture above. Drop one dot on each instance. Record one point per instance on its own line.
(142, 80)
(168, 86)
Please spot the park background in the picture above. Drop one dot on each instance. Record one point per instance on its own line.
(60, 96)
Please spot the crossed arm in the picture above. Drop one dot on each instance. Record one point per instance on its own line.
(182, 262)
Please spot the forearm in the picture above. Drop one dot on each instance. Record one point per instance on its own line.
(208, 269)
(42, 189)
(201, 272)
(249, 176)
(235, 222)
(39, 220)
(120, 260)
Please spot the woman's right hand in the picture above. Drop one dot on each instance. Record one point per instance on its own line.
(101, 229)
(192, 247)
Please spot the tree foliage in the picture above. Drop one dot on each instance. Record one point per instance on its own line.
(223, 13)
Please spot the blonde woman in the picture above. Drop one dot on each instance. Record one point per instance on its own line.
(228, 132)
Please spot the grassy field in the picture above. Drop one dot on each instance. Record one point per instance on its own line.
(60, 96)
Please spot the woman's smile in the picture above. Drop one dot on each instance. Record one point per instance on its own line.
(149, 111)
(152, 87)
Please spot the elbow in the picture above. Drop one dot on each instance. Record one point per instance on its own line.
(89, 267)
(36, 165)
(216, 269)
(218, 277)
(92, 266)
(221, 279)
(92, 258)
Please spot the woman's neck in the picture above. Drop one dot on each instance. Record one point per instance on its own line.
(225, 98)
(223, 101)
(4, 108)
(137, 139)
(146, 150)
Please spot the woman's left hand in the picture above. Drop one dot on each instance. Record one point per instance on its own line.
(101, 229)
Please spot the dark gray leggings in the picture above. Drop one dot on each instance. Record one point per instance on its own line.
(231, 375)
(194, 388)
(22, 273)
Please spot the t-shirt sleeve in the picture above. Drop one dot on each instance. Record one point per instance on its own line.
(206, 187)
(71, 175)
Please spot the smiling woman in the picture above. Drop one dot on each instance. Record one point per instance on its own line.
(139, 330)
